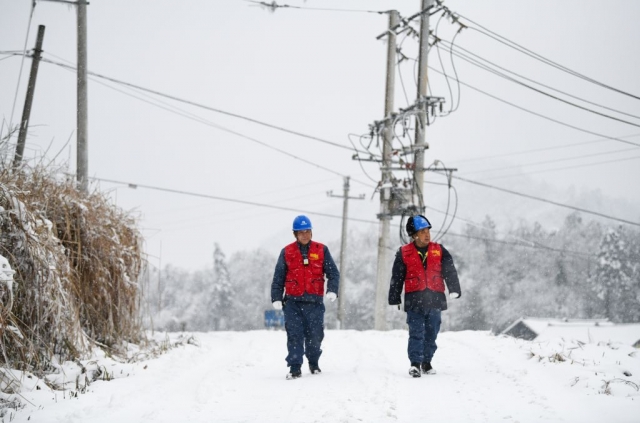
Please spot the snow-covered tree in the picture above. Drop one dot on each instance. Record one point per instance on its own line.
(221, 307)
(612, 278)
(528, 270)
(631, 304)
(250, 273)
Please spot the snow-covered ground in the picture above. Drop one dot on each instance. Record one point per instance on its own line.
(240, 377)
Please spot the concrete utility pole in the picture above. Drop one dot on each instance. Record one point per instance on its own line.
(26, 113)
(343, 248)
(421, 118)
(82, 166)
(383, 273)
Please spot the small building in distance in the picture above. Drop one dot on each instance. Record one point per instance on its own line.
(583, 330)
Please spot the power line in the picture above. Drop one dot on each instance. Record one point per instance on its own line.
(453, 65)
(539, 91)
(538, 114)
(199, 119)
(547, 201)
(452, 46)
(535, 150)
(503, 40)
(530, 111)
(202, 106)
(523, 242)
(15, 98)
(273, 6)
(565, 168)
(206, 220)
(584, 256)
(222, 128)
(549, 161)
(231, 200)
(208, 204)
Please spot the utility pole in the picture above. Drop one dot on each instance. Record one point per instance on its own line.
(343, 248)
(383, 272)
(82, 166)
(421, 117)
(26, 113)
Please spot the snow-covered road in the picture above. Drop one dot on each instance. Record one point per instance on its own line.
(240, 377)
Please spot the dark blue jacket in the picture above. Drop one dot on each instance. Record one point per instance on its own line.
(422, 300)
(330, 270)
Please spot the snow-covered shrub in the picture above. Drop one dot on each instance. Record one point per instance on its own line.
(77, 260)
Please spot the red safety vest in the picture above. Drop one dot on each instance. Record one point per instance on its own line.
(418, 278)
(303, 278)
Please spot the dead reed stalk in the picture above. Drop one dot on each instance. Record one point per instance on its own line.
(77, 258)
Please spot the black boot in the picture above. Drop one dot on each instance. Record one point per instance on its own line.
(294, 373)
(314, 369)
(414, 370)
(427, 369)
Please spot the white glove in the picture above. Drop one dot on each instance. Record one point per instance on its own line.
(277, 305)
(454, 295)
(331, 296)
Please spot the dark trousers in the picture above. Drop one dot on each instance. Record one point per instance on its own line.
(423, 331)
(304, 322)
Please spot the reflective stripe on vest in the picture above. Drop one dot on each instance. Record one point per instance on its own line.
(301, 278)
(418, 278)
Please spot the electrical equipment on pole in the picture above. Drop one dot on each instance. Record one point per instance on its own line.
(422, 103)
(383, 271)
(400, 197)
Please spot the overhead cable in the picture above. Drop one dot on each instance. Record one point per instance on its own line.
(202, 106)
(15, 98)
(584, 156)
(273, 6)
(535, 150)
(586, 131)
(564, 168)
(222, 128)
(199, 119)
(453, 47)
(523, 242)
(539, 91)
(547, 201)
(231, 200)
(583, 256)
(503, 40)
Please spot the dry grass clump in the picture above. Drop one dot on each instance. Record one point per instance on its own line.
(77, 260)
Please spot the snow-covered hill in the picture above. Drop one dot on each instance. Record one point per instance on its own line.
(240, 377)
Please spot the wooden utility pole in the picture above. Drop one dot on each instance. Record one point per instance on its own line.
(26, 112)
(383, 272)
(82, 166)
(343, 249)
(421, 118)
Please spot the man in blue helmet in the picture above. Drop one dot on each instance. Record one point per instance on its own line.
(298, 289)
(423, 268)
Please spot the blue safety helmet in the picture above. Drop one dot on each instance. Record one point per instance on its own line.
(302, 223)
(416, 223)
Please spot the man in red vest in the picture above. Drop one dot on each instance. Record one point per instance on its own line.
(298, 289)
(423, 268)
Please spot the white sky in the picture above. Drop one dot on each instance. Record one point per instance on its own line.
(240, 377)
(319, 73)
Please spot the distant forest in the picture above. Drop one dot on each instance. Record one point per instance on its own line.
(584, 269)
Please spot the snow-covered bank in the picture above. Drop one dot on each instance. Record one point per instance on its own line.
(239, 377)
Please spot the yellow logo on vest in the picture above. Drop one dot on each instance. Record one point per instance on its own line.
(313, 256)
(436, 253)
